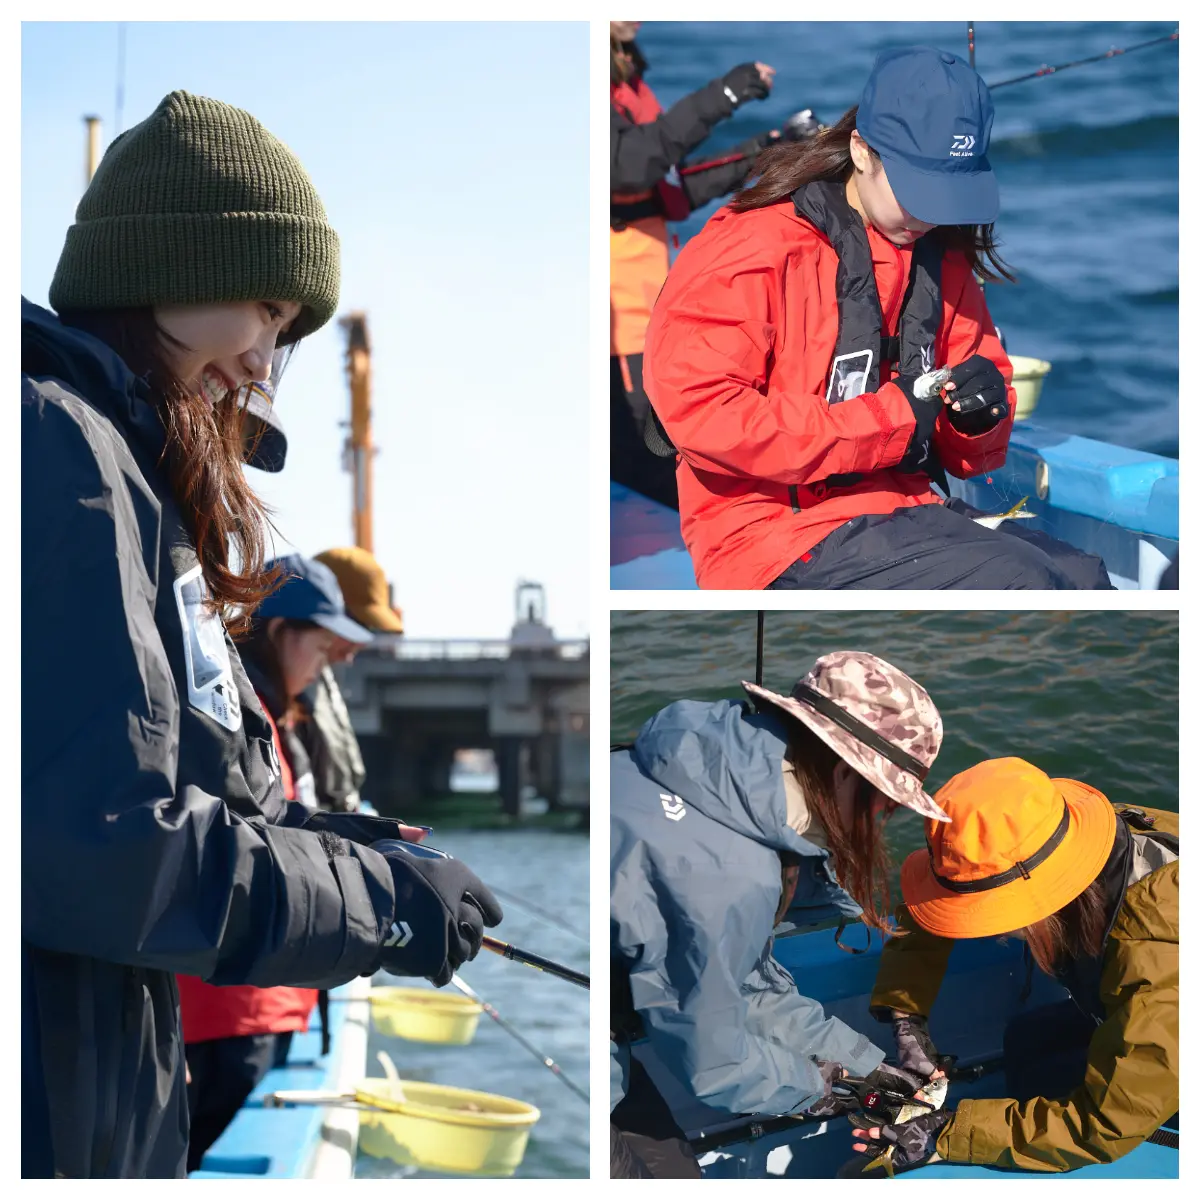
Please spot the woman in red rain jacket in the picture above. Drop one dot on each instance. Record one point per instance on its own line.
(784, 352)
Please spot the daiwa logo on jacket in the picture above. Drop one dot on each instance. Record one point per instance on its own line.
(672, 807)
(962, 146)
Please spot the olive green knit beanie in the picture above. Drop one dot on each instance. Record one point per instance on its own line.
(199, 204)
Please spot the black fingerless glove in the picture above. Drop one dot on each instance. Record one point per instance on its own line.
(918, 456)
(441, 909)
(744, 83)
(980, 395)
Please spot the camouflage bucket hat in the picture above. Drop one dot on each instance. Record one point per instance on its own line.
(875, 717)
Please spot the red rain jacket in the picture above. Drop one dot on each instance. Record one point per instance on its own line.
(208, 1012)
(737, 357)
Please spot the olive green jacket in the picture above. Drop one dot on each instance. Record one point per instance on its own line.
(1132, 1081)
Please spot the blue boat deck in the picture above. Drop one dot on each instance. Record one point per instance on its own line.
(1120, 504)
(283, 1143)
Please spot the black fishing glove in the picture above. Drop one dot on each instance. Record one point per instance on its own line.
(915, 1049)
(918, 456)
(896, 1079)
(441, 909)
(744, 83)
(915, 1140)
(981, 396)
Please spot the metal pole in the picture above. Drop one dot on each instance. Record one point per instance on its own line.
(92, 160)
(120, 74)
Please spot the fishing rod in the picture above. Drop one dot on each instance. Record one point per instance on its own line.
(755, 1128)
(545, 1059)
(1081, 62)
(797, 128)
(417, 850)
(513, 954)
(549, 918)
(758, 658)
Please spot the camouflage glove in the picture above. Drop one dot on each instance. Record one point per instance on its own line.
(915, 1049)
(915, 1141)
(829, 1105)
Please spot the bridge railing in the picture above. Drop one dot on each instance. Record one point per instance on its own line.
(433, 649)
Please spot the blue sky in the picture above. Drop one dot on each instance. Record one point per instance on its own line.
(453, 161)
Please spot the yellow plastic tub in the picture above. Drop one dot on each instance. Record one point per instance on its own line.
(423, 1015)
(1028, 374)
(445, 1129)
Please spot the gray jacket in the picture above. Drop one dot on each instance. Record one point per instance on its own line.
(328, 736)
(699, 818)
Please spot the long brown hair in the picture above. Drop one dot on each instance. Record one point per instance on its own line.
(860, 853)
(784, 167)
(203, 461)
(1075, 931)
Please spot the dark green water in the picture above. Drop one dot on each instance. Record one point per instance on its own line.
(1085, 695)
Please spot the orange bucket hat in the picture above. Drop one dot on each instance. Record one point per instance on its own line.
(1018, 847)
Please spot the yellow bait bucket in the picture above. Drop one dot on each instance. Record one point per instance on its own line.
(423, 1015)
(441, 1128)
(1028, 375)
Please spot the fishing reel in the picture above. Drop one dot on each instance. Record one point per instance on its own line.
(801, 126)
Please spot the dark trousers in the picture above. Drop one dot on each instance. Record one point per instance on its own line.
(939, 547)
(224, 1072)
(646, 1138)
(630, 462)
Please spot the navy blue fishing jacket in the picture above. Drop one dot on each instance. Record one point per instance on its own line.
(149, 787)
(699, 816)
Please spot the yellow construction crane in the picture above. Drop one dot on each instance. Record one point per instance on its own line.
(359, 450)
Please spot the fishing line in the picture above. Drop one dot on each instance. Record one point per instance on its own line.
(544, 1059)
(549, 918)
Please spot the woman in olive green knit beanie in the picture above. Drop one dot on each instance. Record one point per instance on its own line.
(202, 253)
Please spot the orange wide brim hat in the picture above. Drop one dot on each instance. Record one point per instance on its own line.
(1018, 847)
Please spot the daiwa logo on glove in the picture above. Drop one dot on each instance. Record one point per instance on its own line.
(400, 936)
(962, 146)
(672, 807)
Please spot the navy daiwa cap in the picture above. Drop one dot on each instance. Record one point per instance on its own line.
(310, 592)
(928, 115)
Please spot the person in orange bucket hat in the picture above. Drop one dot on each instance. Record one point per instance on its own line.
(1093, 890)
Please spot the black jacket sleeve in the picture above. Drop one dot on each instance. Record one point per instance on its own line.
(641, 155)
(708, 184)
(121, 859)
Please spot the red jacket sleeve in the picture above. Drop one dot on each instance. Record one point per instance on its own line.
(708, 372)
(967, 329)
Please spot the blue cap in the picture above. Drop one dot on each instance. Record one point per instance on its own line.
(310, 592)
(929, 117)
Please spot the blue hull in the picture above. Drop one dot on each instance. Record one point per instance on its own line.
(983, 991)
(1120, 504)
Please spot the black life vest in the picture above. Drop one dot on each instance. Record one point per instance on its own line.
(862, 346)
